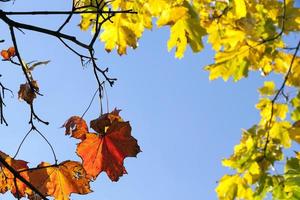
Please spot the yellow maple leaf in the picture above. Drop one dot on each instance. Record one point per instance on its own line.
(172, 15)
(233, 186)
(119, 34)
(240, 8)
(60, 181)
(185, 32)
(280, 132)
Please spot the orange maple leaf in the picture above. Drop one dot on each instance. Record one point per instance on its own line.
(76, 127)
(107, 150)
(7, 179)
(59, 181)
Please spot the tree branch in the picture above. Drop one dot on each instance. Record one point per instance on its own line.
(21, 178)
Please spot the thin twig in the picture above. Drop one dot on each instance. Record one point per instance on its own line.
(21, 144)
(86, 110)
(34, 116)
(38, 168)
(49, 144)
(106, 97)
(74, 51)
(2, 104)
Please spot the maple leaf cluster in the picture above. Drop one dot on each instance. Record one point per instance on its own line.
(102, 151)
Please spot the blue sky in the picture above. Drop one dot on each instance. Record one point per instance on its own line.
(185, 124)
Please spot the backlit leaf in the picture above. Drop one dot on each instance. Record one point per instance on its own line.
(76, 127)
(107, 150)
(233, 187)
(7, 179)
(60, 181)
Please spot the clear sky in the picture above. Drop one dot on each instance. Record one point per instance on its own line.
(184, 123)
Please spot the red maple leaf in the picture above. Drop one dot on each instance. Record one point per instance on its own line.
(107, 149)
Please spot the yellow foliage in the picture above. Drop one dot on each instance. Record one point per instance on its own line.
(280, 132)
(172, 15)
(232, 187)
(119, 34)
(230, 64)
(185, 32)
(265, 106)
(246, 35)
(295, 132)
